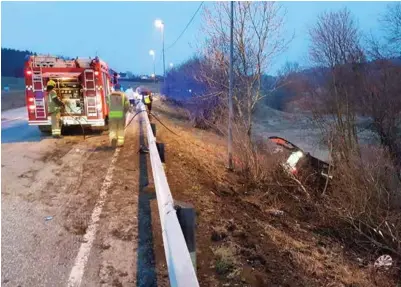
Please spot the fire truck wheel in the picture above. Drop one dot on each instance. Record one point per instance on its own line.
(45, 129)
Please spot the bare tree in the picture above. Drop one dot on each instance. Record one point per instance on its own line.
(382, 103)
(388, 46)
(365, 191)
(381, 87)
(287, 86)
(391, 22)
(258, 39)
(335, 50)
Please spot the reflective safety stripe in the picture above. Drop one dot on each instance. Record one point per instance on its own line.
(147, 99)
(116, 114)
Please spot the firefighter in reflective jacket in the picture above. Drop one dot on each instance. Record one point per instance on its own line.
(148, 99)
(54, 108)
(118, 107)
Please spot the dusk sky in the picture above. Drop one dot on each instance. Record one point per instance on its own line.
(122, 33)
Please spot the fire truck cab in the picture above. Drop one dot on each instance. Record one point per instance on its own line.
(82, 85)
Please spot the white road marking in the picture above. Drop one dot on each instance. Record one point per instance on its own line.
(10, 120)
(81, 260)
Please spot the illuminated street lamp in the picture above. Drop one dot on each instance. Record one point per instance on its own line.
(171, 65)
(160, 25)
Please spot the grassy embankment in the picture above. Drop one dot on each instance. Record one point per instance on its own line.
(269, 236)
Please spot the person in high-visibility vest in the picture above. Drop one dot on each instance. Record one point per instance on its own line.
(118, 107)
(54, 108)
(148, 99)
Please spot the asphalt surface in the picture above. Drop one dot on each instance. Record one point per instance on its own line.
(31, 254)
(15, 128)
(49, 191)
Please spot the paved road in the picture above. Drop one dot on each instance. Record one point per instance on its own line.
(15, 128)
(49, 191)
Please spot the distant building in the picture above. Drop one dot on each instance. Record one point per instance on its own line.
(123, 76)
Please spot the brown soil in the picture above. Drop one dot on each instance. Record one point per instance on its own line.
(241, 241)
(126, 251)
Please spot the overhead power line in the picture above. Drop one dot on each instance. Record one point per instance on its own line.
(189, 23)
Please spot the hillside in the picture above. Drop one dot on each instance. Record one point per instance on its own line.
(294, 95)
(12, 62)
(252, 237)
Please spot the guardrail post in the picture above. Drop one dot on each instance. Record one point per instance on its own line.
(187, 218)
(153, 126)
(161, 150)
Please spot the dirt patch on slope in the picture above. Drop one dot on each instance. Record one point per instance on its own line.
(241, 238)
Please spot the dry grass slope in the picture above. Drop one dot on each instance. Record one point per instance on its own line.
(241, 239)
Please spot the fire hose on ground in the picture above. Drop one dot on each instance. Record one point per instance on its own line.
(83, 130)
(75, 118)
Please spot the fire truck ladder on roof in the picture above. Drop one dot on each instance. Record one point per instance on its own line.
(90, 91)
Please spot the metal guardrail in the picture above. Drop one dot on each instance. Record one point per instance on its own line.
(180, 268)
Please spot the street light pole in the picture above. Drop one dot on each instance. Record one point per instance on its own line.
(164, 63)
(152, 53)
(230, 93)
(160, 24)
(154, 69)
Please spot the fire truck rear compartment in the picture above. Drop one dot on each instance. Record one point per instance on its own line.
(70, 91)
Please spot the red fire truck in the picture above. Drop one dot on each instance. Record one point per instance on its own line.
(82, 84)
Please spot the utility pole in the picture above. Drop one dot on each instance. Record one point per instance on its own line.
(152, 53)
(230, 92)
(160, 24)
(154, 69)
(164, 62)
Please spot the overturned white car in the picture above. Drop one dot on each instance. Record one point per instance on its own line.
(298, 160)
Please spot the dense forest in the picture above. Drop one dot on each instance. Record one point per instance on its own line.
(12, 62)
